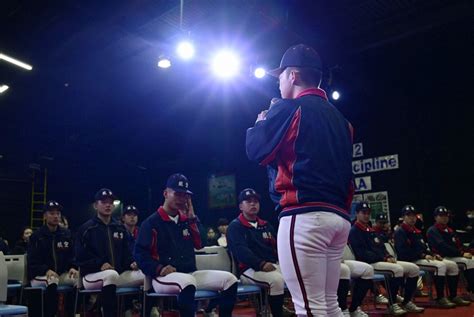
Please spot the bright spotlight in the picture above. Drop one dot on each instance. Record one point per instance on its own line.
(335, 95)
(164, 62)
(185, 50)
(117, 202)
(3, 88)
(259, 72)
(225, 64)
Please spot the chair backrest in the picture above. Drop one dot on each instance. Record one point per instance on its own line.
(213, 258)
(390, 249)
(348, 254)
(16, 268)
(3, 279)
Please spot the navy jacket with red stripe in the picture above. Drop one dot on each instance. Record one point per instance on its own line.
(250, 246)
(163, 242)
(366, 244)
(444, 241)
(306, 145)
(409, 244)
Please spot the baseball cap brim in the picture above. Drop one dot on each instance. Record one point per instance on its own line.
(276, 72)
(182, 190)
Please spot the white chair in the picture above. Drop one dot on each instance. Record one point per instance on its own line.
(8, 310)
(213, 258)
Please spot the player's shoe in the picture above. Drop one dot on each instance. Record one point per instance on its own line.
(359, 313)
(396, 310)
(412, 308)
(380, 299)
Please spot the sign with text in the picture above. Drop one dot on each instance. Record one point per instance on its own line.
(357, 150)
(363, 183)
(375, 164)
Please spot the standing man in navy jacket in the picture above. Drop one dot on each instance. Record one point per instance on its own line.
(306, 145)
(252, 242)
(102, 253)
(50, 258)
(165, 252)
(444, 241)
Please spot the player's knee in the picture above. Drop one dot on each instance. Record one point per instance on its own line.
(441, 269)
(345, 273)
(230, 280)
(368, 273)
(398, 271)
(413, 271)
(277, 286)
(111, 277)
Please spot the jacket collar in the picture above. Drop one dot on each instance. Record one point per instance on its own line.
(112, 222)
(362, 227)
(444, 228)
(246, 223)
(165, 217)
(313, 91)
(411, 229)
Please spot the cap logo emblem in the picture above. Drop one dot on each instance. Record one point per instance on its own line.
(180, 184)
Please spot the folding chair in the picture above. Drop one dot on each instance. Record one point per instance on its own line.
(8, 310)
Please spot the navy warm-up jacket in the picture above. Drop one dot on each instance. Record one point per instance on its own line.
(252, 247)
(98, 243)
(443, 241)
(410, 244)
(306, 145)
(163, 242)
(50, 251)
(366, 245)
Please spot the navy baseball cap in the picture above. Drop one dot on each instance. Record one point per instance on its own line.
(441, 210)
(363, 206)
(178, 183)
(248, 193)
(52, 205)
(300, 55)
(130, 209)
(408, 209)
(381, 216)
(104, 193)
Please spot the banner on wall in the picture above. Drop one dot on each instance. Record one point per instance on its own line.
(222, 191)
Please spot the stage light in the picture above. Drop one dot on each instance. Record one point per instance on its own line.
(225, 64)
(15, 62)
(164, 62)
(259, 72)
(3, 88)
(185, 50)
(117, 202)
(335, 95)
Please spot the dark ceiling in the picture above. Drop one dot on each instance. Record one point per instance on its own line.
(95, 99)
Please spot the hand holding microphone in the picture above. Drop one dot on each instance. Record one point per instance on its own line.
(261, 116)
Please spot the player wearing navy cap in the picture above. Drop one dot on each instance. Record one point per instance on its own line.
(103, 255)
(165, 252)
(50, 258)
(443, 240)
(252, 242)
(306, 145)
(130, 219)
(369, 248)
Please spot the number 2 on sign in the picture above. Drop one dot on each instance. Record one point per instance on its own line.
(357, 150)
